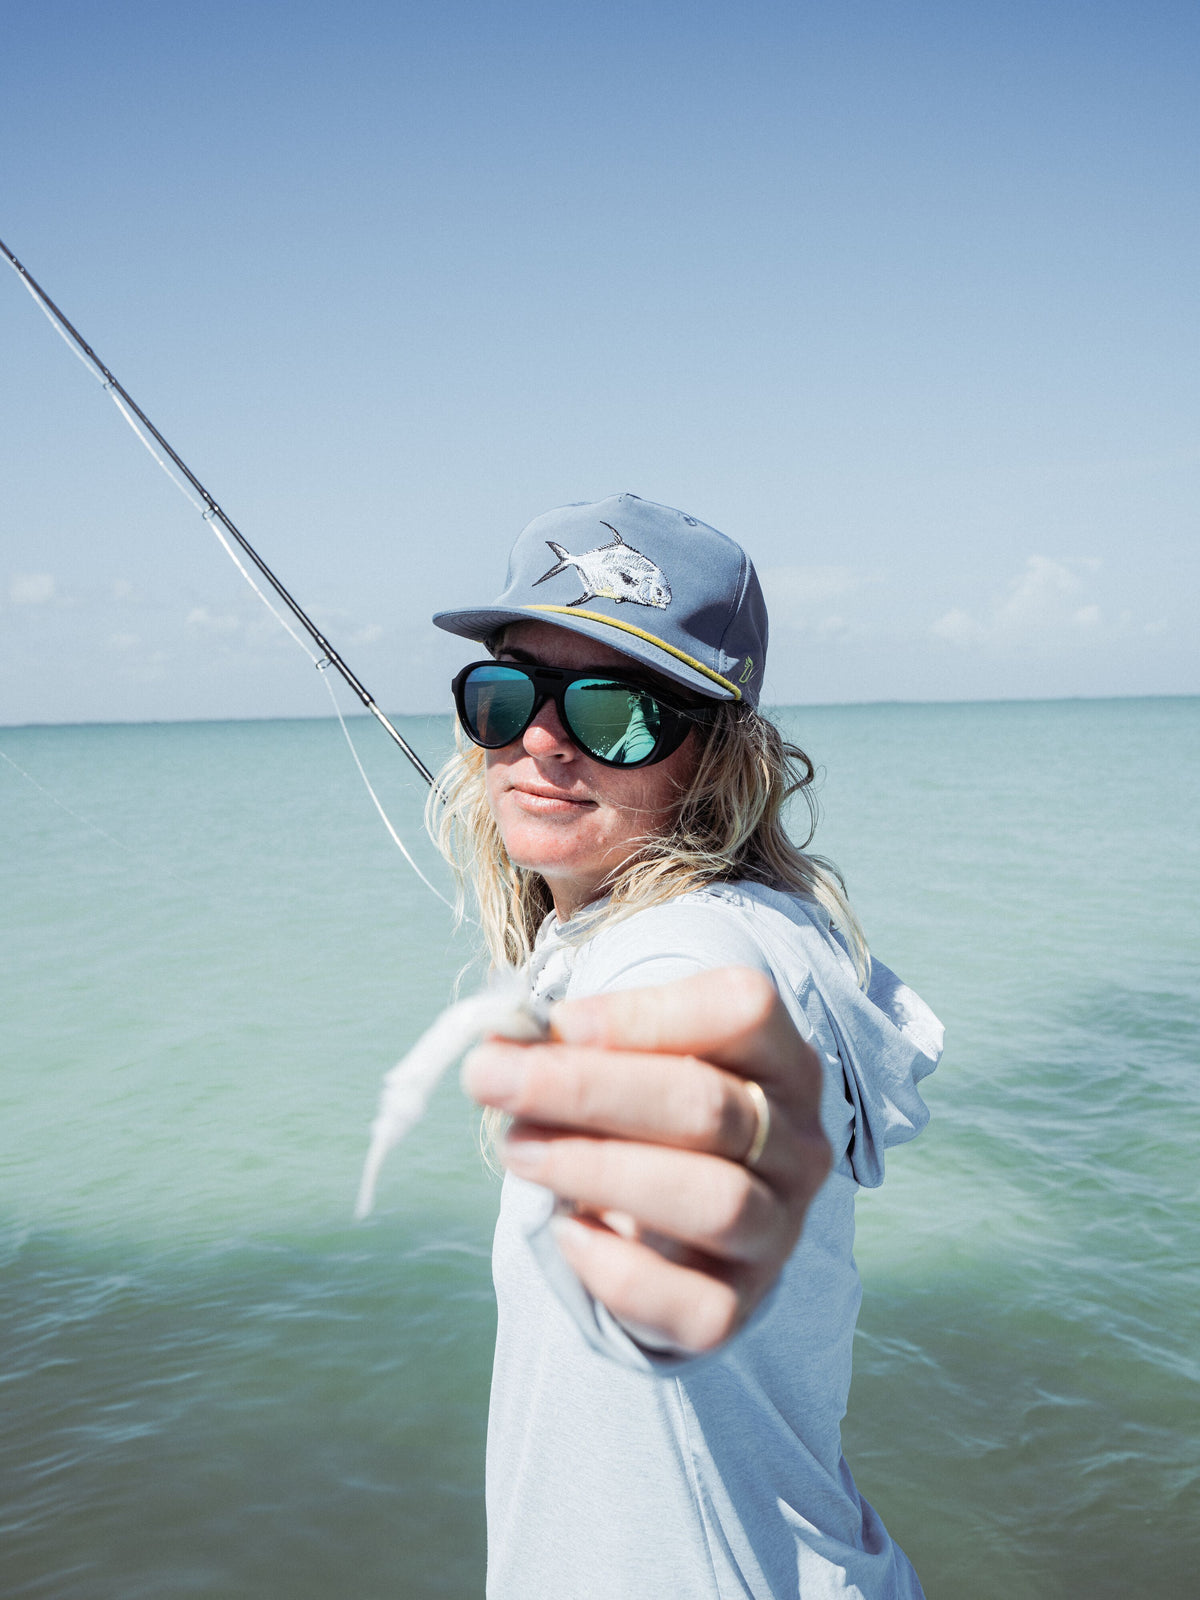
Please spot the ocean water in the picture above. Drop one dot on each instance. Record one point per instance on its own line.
(212, 1383)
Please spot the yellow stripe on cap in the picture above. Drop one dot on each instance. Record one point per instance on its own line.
(640, 633)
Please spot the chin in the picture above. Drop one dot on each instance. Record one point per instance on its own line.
(554, 851)
(532, 850)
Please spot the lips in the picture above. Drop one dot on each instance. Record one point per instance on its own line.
(545, 801)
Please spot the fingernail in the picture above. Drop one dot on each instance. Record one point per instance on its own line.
(495, 1074)
(523, 1156)
(620, 1222)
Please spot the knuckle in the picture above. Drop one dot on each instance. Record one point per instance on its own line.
(578, 1093)
(539, 1086)
(556, 1087)
(527, 1100)
(810, 1164)
(733, 1206)
(702, 1108)
(609, 1165)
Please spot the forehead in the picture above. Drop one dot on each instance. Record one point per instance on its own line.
(552, 646)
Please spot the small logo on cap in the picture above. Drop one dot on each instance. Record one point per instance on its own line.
(747, 670)
(614, 571)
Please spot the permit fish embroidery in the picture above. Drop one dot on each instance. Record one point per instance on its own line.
(614, 571)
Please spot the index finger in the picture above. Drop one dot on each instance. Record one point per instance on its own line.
(731, 1016)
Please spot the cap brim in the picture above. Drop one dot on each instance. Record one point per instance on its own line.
(638, 645)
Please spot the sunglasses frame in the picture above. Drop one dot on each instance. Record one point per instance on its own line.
(551, 683)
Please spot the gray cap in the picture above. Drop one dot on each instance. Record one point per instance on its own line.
(649, 581)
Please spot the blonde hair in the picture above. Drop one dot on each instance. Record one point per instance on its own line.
(729, 825)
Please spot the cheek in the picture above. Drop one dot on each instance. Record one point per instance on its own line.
(658, 790)
(636, 804)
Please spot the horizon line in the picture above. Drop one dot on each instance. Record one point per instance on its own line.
(790, 705)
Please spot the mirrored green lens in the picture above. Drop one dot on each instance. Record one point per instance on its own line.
(614, 721)
(498, 702)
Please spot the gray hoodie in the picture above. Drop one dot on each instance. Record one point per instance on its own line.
(614, 1472)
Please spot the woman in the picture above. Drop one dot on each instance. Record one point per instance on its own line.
(673, 1265)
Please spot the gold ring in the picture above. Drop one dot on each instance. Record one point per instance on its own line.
(763, 1112)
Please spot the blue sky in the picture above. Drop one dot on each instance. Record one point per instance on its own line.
(903, 297)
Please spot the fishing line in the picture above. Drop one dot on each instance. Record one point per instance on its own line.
(387, 821)
(83, 821)
(321, 663)
(186, 481)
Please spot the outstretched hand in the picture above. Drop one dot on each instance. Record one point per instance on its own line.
(639, 1114)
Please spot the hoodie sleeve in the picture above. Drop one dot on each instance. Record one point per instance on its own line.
(887, 1041)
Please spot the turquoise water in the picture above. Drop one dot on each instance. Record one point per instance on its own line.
(214, 1384)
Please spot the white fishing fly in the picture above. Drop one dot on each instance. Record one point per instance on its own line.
(506, 1010)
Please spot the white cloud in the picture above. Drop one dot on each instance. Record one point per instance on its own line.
(202, 620)
(123, 641)
(32, 589)
(1044, 600)
(122, 589)
(959, 627)
(1036, 595)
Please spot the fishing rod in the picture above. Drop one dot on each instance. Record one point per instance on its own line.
(217, 519)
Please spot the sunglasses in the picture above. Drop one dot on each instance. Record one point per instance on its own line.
(615, 721)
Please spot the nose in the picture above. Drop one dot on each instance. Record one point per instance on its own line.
(545, 738)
